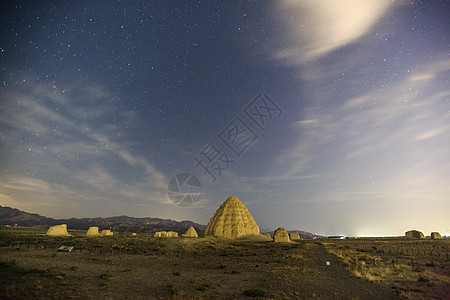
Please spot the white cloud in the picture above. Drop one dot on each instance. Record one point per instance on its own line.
(319, 27)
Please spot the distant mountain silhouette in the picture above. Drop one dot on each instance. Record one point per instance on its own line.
(11, 216)
(301, 233)
(305, 234)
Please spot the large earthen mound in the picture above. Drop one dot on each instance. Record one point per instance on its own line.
(232, 220)
(58, 230)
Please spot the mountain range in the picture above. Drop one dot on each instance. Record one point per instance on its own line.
(11, 216)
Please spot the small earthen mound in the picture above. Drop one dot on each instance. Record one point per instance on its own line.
(172, 234)
(281, 235)
(191, 232)
(107, 232)
(58, 230)
(232, 220)
(255, 237)
(414, 234)
(92, 231)
(160, 234)
(436, 236)
(267, 235)
(294, 236)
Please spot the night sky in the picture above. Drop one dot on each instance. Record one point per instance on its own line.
(326, 116)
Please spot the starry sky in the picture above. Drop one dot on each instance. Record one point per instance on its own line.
(326, 116)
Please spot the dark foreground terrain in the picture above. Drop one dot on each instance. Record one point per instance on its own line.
(142, 267)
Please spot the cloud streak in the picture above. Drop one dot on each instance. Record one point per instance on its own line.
(51, 129)
(382, 148)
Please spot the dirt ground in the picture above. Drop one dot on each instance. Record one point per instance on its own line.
(174, 268)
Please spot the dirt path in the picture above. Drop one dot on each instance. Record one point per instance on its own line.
(322, 275)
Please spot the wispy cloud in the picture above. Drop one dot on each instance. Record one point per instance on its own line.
(382, 153)
(66, 138)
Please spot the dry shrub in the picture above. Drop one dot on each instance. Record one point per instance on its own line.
(373, 268)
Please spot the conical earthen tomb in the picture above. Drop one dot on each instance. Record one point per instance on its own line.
(191, 232)
(232, 220)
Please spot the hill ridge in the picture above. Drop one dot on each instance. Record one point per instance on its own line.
(122, 223)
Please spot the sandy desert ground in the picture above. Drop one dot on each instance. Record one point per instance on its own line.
(143, 267)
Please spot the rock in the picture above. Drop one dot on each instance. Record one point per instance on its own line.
(294, 236)
(92, 231)
(281, 235)
(191, 232)
(232, 220)
(58, 230)
(415, 234)
(134, 234)
(267, 235)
